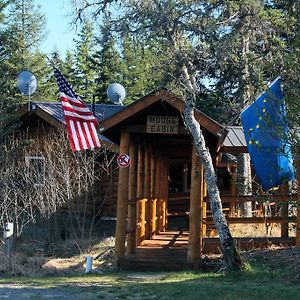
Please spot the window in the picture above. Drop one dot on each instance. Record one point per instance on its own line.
(36, 168)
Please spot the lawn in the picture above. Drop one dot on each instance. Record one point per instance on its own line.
(259, 282)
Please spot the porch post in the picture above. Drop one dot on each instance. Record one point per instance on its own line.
(132, 195)
(140, 195)
(196, 199)
(122, 202)
(152, 196)
(164, 191)
(233, 183)
(157, 193)
(284, 211)
(147, 183)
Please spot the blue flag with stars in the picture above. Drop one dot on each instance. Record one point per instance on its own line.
(265, 128)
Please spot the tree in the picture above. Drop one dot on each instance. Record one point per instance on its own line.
(107, 62)
(185, 27)
(85, 73)
(21, 34)
(142, 66)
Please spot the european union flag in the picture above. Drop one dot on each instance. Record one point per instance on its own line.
(265, 128)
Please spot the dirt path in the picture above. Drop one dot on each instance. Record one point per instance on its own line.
(82, 291)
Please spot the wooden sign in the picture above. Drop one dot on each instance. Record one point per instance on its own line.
(162, 124)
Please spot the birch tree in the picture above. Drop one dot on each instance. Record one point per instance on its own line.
(186, 28)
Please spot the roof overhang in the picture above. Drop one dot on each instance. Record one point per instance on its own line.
(166, 96)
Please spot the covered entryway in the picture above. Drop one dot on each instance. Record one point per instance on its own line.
(164, 178)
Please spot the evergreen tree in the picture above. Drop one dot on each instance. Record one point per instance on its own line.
(84, 81)
(142, 70)
(249, 48)
(107, 62)
(22, 32)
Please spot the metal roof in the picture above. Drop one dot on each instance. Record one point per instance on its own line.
(54, 109)
(235, 140)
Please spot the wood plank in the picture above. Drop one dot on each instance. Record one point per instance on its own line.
(143, 129)
(168, 250)
(241, 220)
(274, 198)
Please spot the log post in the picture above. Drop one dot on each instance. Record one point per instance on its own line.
(122, 202)
(132, 195)
(157, 194)
(196, 198)
(140, 195)
(233, 183)
(147, 183)
(165, 188)
(152, 196)
(298, 206)
(284, 230)
(161, 183)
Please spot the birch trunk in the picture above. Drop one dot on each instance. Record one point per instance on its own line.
(244, 182)
(231, 256)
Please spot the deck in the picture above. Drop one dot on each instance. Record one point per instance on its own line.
(168, 250)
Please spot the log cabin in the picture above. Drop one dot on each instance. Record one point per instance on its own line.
(165, 180)
(160, 199)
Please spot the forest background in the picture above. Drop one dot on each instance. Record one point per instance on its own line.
(243, 46)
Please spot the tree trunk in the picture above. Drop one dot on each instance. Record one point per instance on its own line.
(244, 184)
(231, 256)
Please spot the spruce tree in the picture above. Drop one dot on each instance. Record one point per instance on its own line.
(84, 80)
(22, 32)
(107, 62)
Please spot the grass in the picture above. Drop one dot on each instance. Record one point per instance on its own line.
(259, 282)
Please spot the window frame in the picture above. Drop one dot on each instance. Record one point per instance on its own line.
(41, 175)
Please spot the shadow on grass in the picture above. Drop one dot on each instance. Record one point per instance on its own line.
(254, 284)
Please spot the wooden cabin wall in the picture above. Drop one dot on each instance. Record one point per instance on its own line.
(100, 202)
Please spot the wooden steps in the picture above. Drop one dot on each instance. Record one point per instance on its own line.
(168, 251)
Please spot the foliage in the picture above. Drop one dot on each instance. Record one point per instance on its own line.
(107, 62)
(21, 33)
(85, 74)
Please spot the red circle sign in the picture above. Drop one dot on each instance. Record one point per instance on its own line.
(123, 160)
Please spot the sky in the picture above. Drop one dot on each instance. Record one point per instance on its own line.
(59, 34)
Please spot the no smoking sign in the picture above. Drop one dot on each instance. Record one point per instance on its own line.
(123, 160)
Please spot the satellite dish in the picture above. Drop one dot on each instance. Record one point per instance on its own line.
(116, 93)
(27, 83)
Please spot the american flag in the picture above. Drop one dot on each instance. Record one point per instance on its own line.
(81, 123)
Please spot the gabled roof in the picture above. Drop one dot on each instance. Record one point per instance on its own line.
(52, 113)
(109, 115)
(54, 110)
(163, 95)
